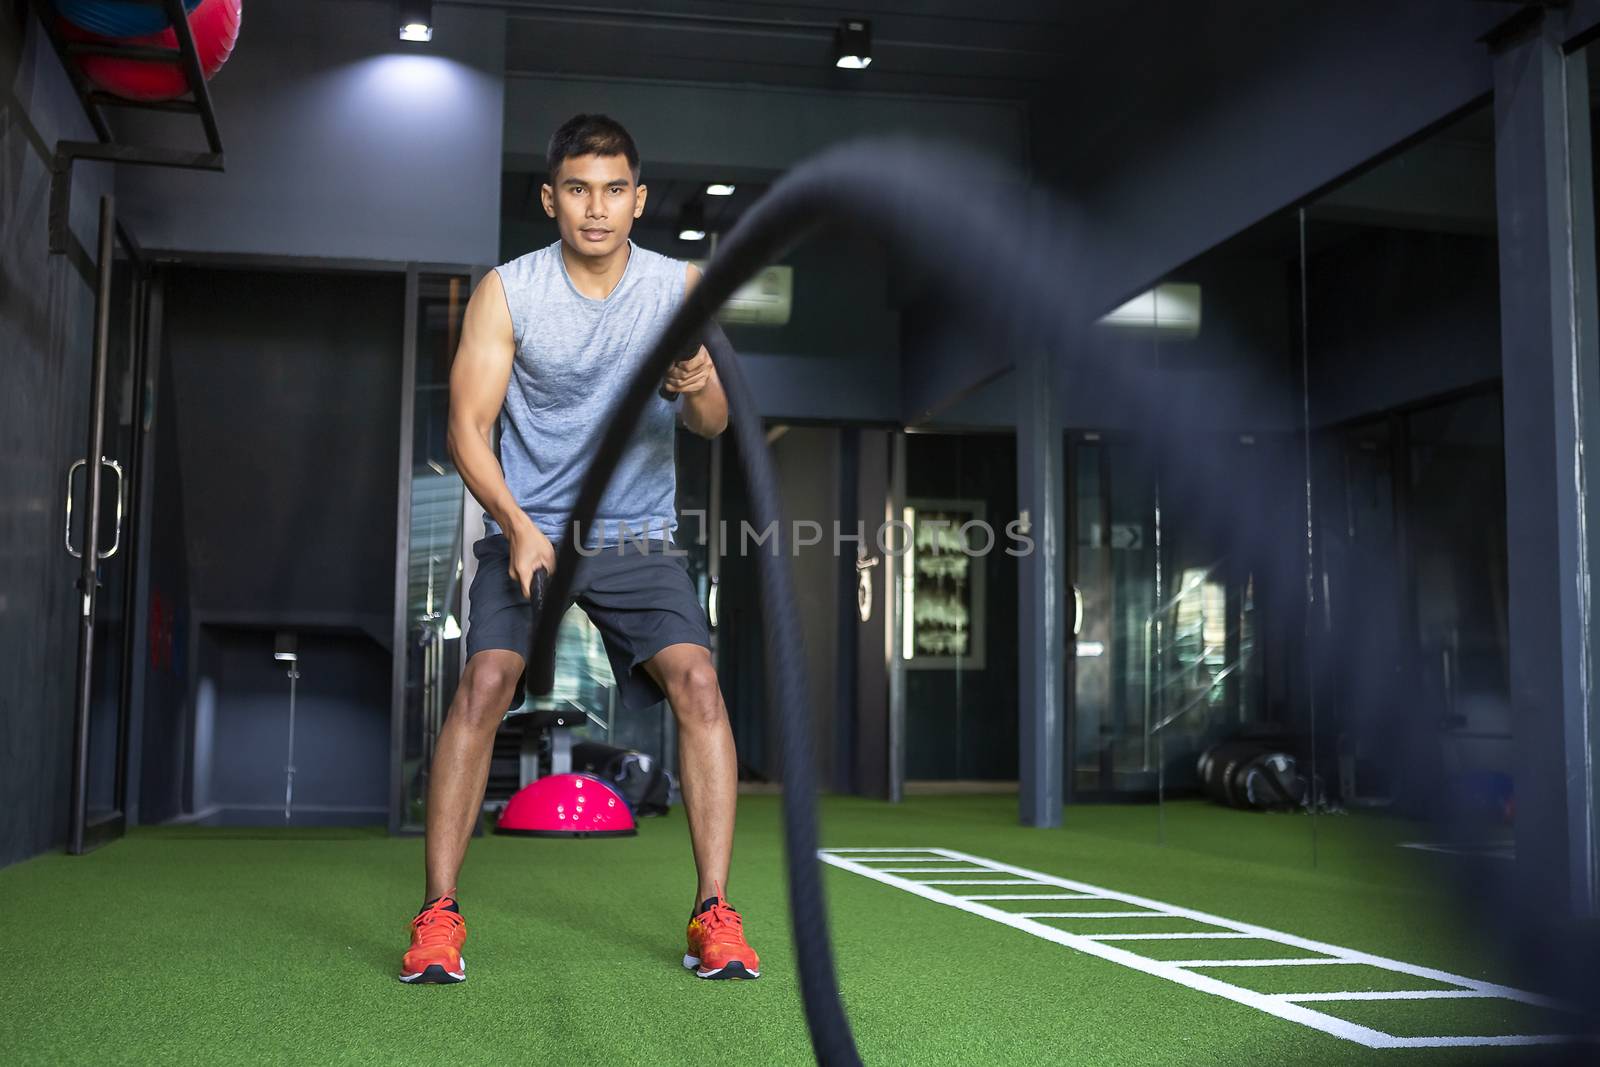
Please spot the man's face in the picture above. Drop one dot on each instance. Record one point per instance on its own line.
(594, 202)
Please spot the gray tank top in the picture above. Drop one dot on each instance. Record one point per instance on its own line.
(575, 356)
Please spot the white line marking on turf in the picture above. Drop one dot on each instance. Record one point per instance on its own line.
(1166, 937)
(1032, 896)
(962, 881)
(1277, 1004)
(1401, 994)
(1091, 915)
(1286, 961)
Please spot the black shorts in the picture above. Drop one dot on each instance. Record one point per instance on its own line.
(640, 600)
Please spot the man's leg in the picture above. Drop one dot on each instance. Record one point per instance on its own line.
(460, 769)
(707, 761)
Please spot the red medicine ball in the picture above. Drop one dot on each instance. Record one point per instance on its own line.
(215, 26)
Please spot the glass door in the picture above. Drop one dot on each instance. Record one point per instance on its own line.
(1163, 654)
(433, 503)
(1114, 589)
(1203, 644)
(101, 505)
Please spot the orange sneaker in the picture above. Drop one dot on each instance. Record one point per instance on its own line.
(717, 948)
(437, 934)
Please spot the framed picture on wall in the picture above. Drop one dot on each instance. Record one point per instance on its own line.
(942, 584)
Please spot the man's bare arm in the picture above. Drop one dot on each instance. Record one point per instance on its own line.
(705, 405)
(478, 380)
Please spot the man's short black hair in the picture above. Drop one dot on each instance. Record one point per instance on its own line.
(592, 135)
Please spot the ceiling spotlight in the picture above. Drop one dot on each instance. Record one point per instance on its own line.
(719, 190)
(416, 20)
(852, 44)
(286, 647)
(692, 222)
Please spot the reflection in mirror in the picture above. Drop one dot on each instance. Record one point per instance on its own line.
(1229, 504)
(958, 609)
(434, 571)
(1186, 492)
(1112, 573)
(1411, 642)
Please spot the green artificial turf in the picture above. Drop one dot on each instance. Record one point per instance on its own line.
(1241, 949)
(196, 945)
(1324, 979)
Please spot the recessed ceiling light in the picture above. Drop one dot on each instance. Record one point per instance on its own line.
(416, 20)
(852, 44)
(719, 190)
(692, 222)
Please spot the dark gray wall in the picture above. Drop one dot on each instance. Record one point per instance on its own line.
(284, 410)
(287, 406)
(807, 461)
(1240, 373)
(1216, 119)
(342, 140)
(750, 126)
(991, 405)
(341, 732)
(162, 704)
(46, 311)
(1396, 316)
(1285, 104)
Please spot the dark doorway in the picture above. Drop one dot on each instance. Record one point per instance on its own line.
(275, 496)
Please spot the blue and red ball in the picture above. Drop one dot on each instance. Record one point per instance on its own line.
(213, 23)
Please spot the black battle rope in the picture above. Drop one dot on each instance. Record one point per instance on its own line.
(939, 209)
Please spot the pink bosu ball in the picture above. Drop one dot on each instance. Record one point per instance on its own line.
(567, 805)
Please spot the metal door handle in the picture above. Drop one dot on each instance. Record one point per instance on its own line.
(713, 602)
(74, 553)
(1077, 611)
(864, 566)
(117, 541)
(67, 535)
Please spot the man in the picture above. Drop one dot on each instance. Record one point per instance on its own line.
(548, 342)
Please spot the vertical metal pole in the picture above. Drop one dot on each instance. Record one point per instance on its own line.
(895, 595)
(1544, 193)
(78, 808)
(288, 767)
(1074, 581)
(1311, 658)
(1161, 787)
(1041, 643)
(1158, 626)
(1158, 629)
(434, 709)
(130, 595)
(400, 643)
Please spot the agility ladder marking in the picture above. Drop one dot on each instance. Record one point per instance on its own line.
(1289, 1006)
